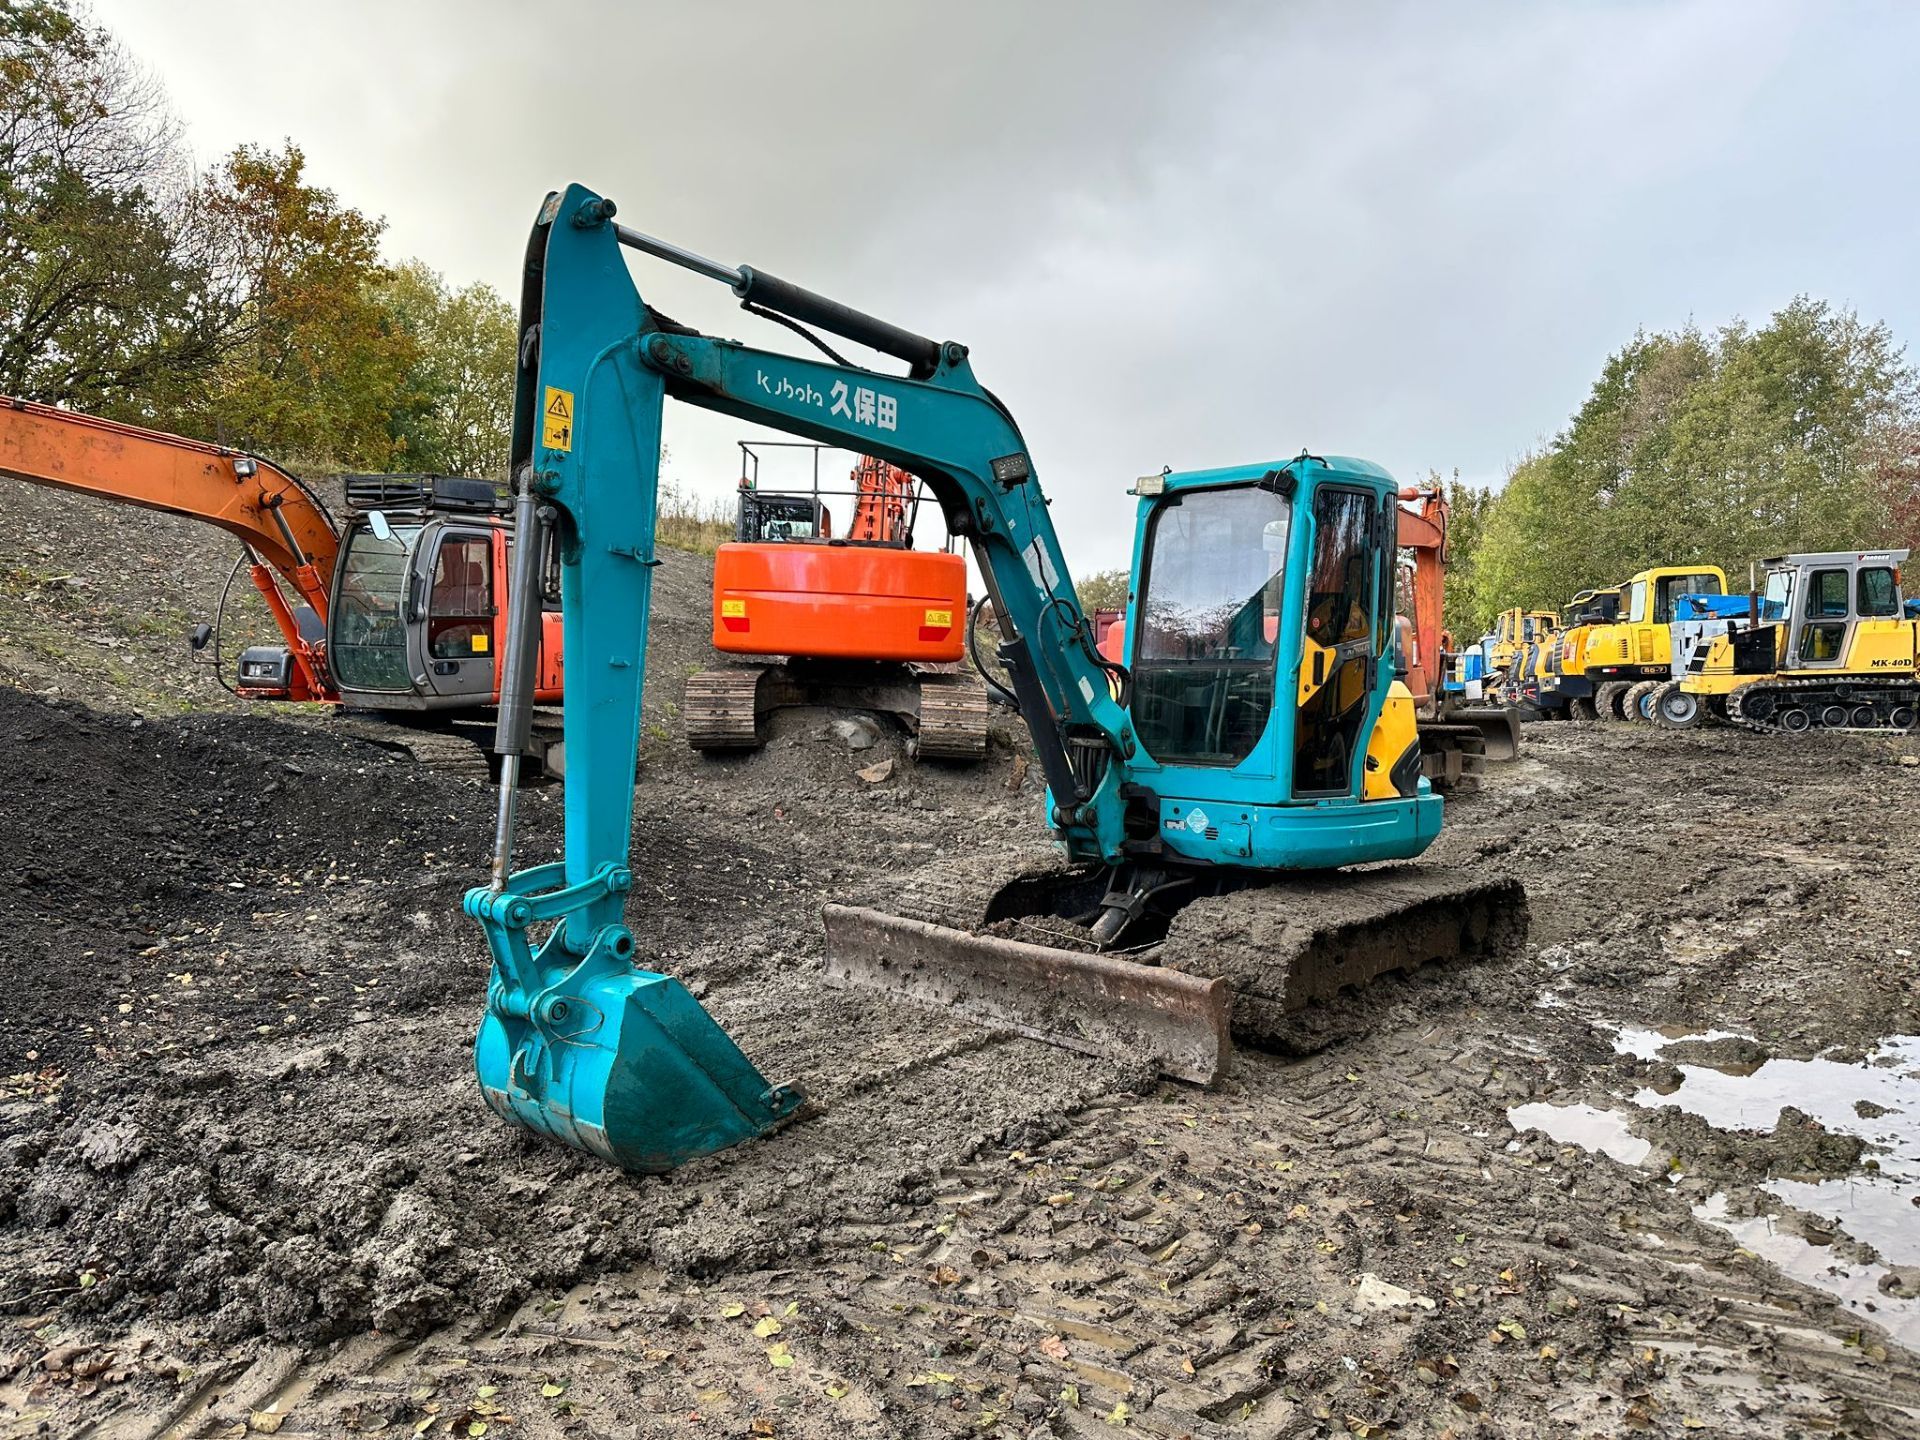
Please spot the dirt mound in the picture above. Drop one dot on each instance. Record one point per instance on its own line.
(243, 1096)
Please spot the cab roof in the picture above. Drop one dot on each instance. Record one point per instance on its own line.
(1836, 557)
(1320, 467)
(1661, 572)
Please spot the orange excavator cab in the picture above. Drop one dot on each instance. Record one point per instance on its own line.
(863, 621)
(396, 611)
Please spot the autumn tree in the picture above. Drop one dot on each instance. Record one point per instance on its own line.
(319, 363)
(1103, 590)
(456, 415)
(107, 295)
(1801, 435)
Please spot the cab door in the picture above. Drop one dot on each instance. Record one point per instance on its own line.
(455, 616)
(1339, 659)
(1824, 619)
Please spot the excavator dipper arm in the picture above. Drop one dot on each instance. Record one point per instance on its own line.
(578, 1042)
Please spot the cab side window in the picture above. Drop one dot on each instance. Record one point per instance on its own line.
(459, 616)
(1827, 595)
(1878, 595)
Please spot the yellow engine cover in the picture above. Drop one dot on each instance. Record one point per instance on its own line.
(1398, 729)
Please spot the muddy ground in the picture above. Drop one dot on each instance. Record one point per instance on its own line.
(246, 1182)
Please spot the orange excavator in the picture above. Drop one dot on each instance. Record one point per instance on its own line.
(1456, 739)
(394, 614)
(861, 621)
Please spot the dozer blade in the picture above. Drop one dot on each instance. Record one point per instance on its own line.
(1082, 1001)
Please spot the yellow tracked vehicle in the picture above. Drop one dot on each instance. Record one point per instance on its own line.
(1630, 658)
(1830, 647)
(1557, 684)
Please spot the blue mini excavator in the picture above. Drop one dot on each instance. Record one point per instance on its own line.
(1218, 800)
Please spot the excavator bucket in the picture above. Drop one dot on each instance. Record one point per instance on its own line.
(1266, 963)
(631, 1069)
(619, 1062)
(1498, 724)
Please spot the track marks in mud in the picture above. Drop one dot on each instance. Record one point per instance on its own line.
(1189, 1264)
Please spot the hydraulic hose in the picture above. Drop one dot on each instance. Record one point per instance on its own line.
(994, 687)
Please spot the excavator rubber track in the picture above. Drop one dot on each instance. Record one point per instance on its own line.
(1452, 757)
(723, 709)
(1867, 707)
(953, 716)
(1263, 963)
(947, 711)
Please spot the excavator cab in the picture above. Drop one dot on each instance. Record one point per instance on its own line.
(418, 593)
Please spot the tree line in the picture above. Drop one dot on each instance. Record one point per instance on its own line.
(1722, 448)
(240, 303)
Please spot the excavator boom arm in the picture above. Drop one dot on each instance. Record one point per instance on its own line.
(289, 536)
(277, 517)
(578, 1042)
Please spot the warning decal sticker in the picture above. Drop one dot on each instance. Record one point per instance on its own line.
(556, 422)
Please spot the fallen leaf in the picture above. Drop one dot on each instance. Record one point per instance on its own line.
(733, 1311)
(762, 1425)
(477, 1429)
(836, 1391)
(792, 1310)
(932, 1377)
(1513, 1328)
(487, 1392)
(778, 1356)
(1065, 1197)
(1055, 1348)
(1070, 1396)
(767, 1328)
(553, 1390)
(945, 1275)
(1186, 1364)
(267, 1422)
(1118, 1415)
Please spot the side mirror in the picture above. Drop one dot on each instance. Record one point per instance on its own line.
(377, 523)
(200, 636)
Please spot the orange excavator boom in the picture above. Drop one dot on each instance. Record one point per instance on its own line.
(290, 537)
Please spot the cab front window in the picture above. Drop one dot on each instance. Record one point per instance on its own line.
(1209, 623)
(368, 647)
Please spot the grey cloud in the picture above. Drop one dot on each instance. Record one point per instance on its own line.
(1172, 234)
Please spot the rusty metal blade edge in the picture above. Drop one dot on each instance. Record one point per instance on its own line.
(1090, 1003)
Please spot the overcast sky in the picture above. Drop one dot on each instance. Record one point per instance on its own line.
(1172, 234)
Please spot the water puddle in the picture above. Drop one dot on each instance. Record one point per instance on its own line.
(1737, 1087)
(1591, 1128)
(1853, 1284)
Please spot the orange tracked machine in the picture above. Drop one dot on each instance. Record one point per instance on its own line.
(860, 620)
